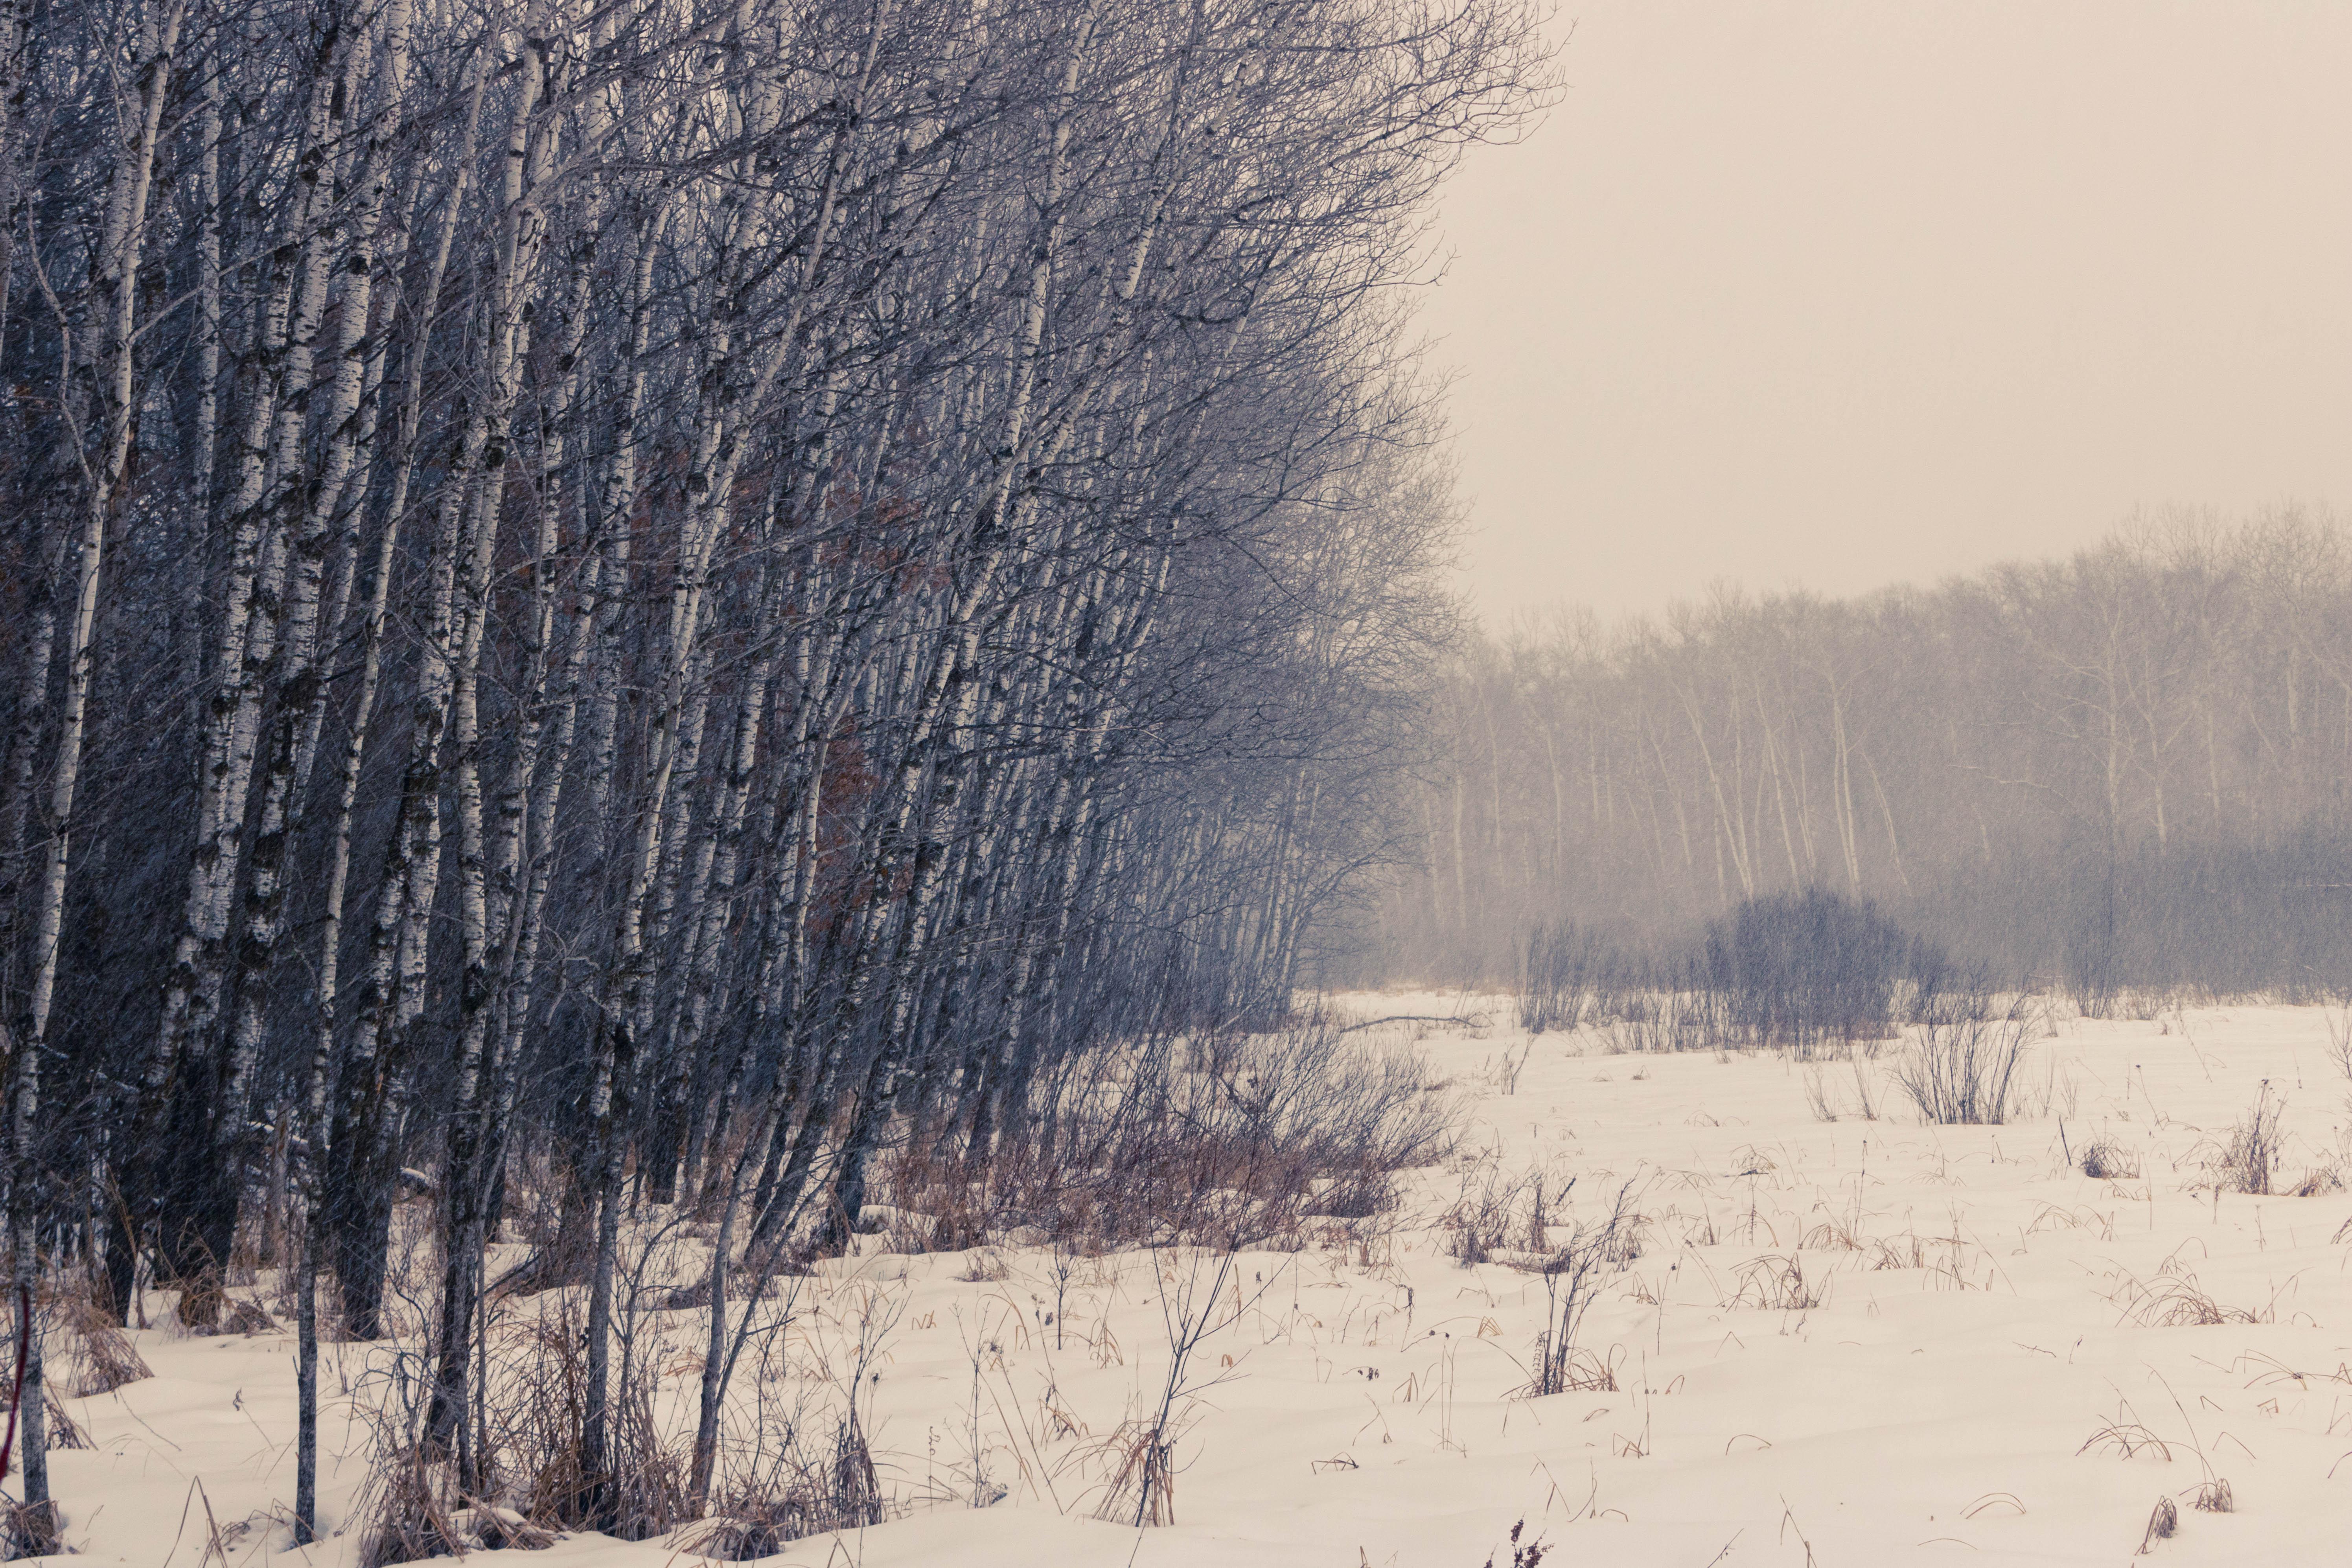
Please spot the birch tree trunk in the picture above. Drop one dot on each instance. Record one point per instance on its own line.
(113, 413)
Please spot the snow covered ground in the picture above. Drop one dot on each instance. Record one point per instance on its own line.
(2004, 1361)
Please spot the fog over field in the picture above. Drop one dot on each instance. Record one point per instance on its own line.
(828, 780)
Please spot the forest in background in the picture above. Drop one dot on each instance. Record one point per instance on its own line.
(2124, 769)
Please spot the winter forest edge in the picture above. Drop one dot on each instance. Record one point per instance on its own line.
(647, 650)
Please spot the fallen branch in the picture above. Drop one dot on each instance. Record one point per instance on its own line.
(1458, 1023)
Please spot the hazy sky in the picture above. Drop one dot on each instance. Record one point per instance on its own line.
(1843, 294)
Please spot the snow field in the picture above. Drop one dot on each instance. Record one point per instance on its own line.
(1848, 1342)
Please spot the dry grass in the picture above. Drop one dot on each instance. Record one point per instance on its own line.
(2051, 1217)
(1571, 1273)
(33, 1530)
(1566, 974)
(2251, 1158)
(1479, 1223)
(1817, 1095)
(2318, 1182)
(798, 1463)
(819, 1486)
(412, 1517)
(1232, 1141)
(1667, 1020)
(2109, 1161)
(87, 1355)
(1200, 1296)
(1899, 1252)
(1776, 1284)
(1525, 1553)
(2274, 1370)
(1141, 1486)
(1866, 1094)
(64, 1432)
(2176, 1301)
(1585, 1372)
(2125, 1439)
(534, 1478)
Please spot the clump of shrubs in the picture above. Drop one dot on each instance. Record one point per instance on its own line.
(1815, 970)
(1566, 974)
(1239, 1138)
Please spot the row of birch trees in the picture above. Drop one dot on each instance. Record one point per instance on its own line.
(2130, 766)
(653, 578)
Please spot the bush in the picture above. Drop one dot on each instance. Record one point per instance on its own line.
(1564, 973)
(2252, 1157)
(1809, 969)
(1673, 1012)
(1962, 1069)
(1228, 1139)
(1572, 1274)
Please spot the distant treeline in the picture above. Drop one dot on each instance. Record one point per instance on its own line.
(2125, 769)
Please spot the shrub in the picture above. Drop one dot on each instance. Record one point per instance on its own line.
(2251, 1155)
(1807, 969)
(1565, 972)
(2091, 958)
(1673, 1012)
(1962, 1069)
(1235, 1139)
(1572, 1271)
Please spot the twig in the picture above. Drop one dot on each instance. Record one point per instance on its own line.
(1407, 1018)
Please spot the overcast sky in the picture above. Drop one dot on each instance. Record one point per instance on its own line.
(1845, 294)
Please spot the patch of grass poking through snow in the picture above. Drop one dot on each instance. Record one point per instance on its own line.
(2176, 1301)
(1817, 1095)
(2251, 1158)
(1776, 1284)
(2125, 1439)
(2108, 1161)
(1195, 1303)
(1524, 1554)
(88, 1355)
(1478, 1224)
(820, 1485)
(2317, 1183)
